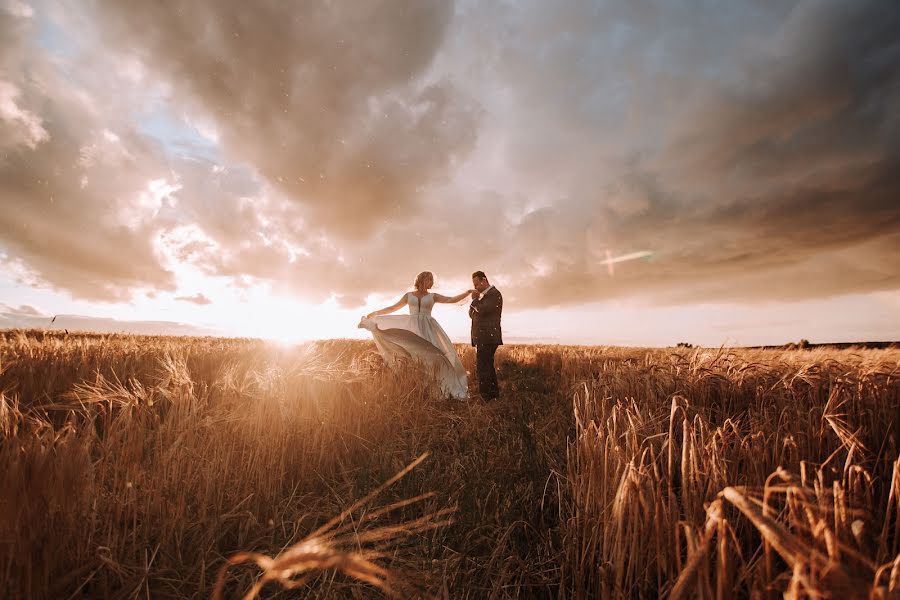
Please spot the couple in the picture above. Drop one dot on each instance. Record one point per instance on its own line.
(419, 336)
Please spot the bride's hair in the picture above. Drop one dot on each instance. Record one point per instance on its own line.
(421, 277)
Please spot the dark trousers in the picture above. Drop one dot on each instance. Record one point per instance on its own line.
(487, 375)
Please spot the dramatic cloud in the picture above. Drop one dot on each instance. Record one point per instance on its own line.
(80, 189)
(756, 154)
(754, 148)
(331, 102)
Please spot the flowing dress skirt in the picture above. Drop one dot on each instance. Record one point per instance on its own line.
(419, 337)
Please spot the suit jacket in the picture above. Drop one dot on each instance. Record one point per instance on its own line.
(485, 315)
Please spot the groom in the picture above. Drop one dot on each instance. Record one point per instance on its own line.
(487, 304)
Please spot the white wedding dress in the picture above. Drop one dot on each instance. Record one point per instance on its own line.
(420, 337)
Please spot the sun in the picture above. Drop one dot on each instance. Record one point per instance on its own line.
(284, 325)
(285, 338)
(258, 311)
(288, 321)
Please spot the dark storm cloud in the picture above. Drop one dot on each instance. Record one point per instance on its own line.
(767, 169)
(329, 101)
(799, 160)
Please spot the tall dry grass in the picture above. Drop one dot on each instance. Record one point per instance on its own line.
(140, 467)
(722, 474)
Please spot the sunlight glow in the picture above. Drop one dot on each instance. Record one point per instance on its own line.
(259, 313)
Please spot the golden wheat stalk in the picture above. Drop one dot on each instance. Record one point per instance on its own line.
(326, 548)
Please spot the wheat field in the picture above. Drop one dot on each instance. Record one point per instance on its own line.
(153, 467)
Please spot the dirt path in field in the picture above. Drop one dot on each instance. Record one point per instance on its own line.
(503, 463)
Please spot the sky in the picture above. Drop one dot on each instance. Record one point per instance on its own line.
(277, 170)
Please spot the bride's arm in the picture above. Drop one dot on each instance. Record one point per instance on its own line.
(388, 309)
(452, 299)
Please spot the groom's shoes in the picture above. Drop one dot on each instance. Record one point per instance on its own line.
(483, 396)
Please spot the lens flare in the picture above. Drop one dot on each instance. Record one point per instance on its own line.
(612, 260)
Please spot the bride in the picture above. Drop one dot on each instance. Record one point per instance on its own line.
(418, 335)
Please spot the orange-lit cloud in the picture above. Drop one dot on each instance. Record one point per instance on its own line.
(76, 181)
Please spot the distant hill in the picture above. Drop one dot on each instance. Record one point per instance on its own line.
(837, 345)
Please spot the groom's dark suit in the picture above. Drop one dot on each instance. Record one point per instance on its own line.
(486, 336)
